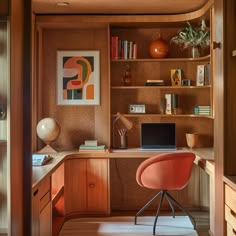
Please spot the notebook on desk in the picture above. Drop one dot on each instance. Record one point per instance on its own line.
(158, 136)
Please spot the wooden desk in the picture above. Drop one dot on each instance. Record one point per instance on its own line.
(74, 159)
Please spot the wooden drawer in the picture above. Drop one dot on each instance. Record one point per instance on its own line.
(44, 200)
(230, 198)
(230, 230)
(44, 187)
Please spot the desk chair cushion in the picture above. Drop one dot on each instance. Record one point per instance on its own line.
(167, 171)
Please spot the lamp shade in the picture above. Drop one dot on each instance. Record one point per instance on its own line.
(127, 123)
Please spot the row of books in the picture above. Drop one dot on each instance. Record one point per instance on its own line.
(92, 146)
(202, 110)
(123, 49)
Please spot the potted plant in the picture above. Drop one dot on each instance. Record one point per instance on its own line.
(193, 37)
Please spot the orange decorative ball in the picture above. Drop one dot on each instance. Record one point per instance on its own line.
(159, 48)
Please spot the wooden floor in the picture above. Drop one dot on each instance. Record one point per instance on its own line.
(124, 226)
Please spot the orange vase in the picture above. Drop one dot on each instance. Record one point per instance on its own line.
(159, 48)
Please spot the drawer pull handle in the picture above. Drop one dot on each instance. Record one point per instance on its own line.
(233, 213)
(36, 192)
(91, 185)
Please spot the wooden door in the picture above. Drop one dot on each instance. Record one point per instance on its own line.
(75, 186)
(97, 185)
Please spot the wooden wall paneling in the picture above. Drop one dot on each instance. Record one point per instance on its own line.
(220, 139)
(4, 8)
(102, 119)
(127, 195)
(77, 122)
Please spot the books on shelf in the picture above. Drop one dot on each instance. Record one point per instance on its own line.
(156, 82)
(202, 110)
(90, 142)
(203, 75)
(40, 159)
(87, 148)
(123, 49)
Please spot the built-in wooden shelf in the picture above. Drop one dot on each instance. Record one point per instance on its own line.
(165, 115)
(205, 58)
(160, 87)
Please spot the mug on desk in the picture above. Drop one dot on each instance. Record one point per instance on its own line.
(192, 139)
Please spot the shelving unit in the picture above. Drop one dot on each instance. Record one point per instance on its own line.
(146, 68)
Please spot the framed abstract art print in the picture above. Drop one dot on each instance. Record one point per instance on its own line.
(78, 78)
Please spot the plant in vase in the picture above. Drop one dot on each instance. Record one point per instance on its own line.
(193, 37)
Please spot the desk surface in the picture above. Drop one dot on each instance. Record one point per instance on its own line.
(204, 158)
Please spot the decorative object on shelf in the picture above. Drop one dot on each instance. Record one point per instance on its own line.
(127, 123)
(48, 131)
(186, 82)
(174, 103)
(123, 138)
(192, 139)
(176, 77)
(2, 112)
(127, 77)
(78, 81)
(168, 104)
(159, 48)
(203, 75)
(137, 108)
(193, 37)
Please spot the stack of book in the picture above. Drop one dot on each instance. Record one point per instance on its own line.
(123, 49)
(91, 146)
(154, 82)
(202, 110)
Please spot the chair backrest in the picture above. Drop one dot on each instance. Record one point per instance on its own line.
(167, 171)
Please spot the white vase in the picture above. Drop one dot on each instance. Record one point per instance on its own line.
(195, 52)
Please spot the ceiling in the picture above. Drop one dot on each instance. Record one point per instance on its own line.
(116, 6)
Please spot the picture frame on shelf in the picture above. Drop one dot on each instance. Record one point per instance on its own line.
(78, 77)
(176, 77)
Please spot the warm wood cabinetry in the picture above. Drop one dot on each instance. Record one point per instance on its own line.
(41, 208)
(86, 186)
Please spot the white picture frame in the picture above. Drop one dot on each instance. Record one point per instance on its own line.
(78, 77)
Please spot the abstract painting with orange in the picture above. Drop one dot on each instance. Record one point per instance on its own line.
(78, 77)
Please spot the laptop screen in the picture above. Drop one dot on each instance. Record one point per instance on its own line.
(158, 136)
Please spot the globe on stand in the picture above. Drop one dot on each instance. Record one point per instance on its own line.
(48, 131)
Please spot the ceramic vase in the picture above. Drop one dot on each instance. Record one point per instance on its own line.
(192, 140)
(159, 48)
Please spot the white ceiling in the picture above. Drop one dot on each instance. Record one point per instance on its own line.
(117, 6)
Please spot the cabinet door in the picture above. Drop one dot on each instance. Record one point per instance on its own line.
(97, 183)
(75, 186)
(45, 221)
(86, 186)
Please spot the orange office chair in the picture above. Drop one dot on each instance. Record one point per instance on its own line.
(168, 171)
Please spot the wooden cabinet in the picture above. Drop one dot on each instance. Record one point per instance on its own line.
(41, 208)
(145, 68)
(86, 186)
(230, 210)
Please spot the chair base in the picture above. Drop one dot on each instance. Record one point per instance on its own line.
(171, 200)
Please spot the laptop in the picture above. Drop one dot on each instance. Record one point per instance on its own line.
(158, 136)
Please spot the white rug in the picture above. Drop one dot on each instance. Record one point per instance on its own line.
(124, 226)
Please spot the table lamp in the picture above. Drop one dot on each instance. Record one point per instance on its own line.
(127, 123)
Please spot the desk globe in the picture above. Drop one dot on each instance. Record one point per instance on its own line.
(48, 131)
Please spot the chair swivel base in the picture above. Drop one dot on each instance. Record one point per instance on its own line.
(170, 199)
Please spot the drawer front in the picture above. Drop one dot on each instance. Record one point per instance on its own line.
(230, 198)
(44, 187)
(44, 200)
(230, 230)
